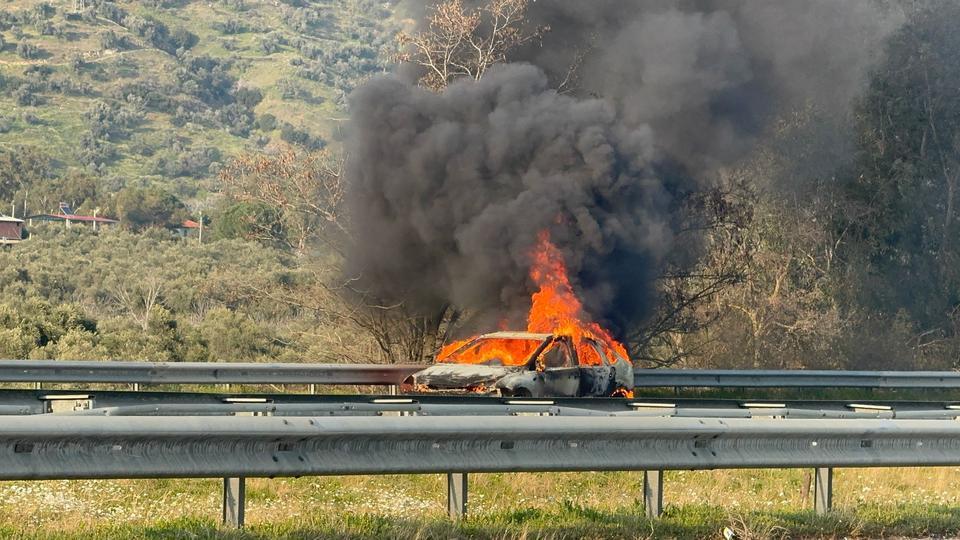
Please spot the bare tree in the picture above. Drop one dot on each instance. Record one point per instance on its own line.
(397, 333)
(782, 311)
(139, 297)
(464, 42)
(305, 191)
(716, 218)
(457, 42)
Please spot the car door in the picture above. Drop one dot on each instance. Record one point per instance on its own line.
(558, 369)
(597, 379)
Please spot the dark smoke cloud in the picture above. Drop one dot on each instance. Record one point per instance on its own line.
(709, 75)
(448, 191)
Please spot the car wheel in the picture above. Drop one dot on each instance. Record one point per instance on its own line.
(522, 392)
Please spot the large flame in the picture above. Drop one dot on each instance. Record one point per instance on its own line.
(555, 309)
(511, 352)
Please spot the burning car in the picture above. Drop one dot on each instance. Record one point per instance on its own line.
(562, 353)
(528, 364)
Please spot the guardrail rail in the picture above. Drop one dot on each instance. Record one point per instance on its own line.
(59, 371)
(733, 378)
(110, 434)
(234, 448)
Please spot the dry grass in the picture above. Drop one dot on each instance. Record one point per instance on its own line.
(752, 503)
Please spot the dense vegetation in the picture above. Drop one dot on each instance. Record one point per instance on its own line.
(832, 245)
(71, 293)
(842, 231)
(130, 109)
(161, 93)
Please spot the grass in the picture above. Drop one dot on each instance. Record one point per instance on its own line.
(686, 522)
(699, 504)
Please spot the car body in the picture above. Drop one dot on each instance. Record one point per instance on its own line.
(526, 364)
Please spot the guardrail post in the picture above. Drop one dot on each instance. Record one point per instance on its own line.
(456, 495)
(823, 490)
(653, 493)
(234, 495)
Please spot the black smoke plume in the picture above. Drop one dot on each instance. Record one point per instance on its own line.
(448, 191)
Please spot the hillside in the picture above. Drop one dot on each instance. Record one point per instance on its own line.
(162, 92)
(827, 240)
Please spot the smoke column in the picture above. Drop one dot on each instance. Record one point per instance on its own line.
(447, 191)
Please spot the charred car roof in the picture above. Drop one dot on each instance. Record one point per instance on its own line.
(515, 335)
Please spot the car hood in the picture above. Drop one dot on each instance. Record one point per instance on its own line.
(462, 375)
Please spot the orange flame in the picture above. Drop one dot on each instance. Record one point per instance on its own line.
(555, 310)
(511, 352)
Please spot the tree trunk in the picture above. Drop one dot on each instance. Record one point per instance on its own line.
(948, 218)
(432, 339)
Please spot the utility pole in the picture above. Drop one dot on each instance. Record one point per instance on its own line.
(200, 237)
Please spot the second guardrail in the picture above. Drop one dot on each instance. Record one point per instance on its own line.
(44, 371)
(735, 378)
(57, 447)
(50, 447)
(62, 371)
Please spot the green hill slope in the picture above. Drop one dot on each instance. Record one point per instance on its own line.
(164, 91)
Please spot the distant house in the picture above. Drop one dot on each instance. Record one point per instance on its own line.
(189, 229)
(186, 227)
(67, 216)
(11, 231)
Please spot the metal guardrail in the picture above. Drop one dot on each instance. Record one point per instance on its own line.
(125, 403)
(107, 434)
(55, 447)
(288, 409)
(202, 372)
(58, 447)
(381, 374)
(794, 378)
(362, 409)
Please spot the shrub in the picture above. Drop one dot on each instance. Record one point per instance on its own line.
(25, 96)
(28, 51)
(266, 122)
(301, 137)
(272, 42)
(112, 40)
(233, 336)
(139, 208)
